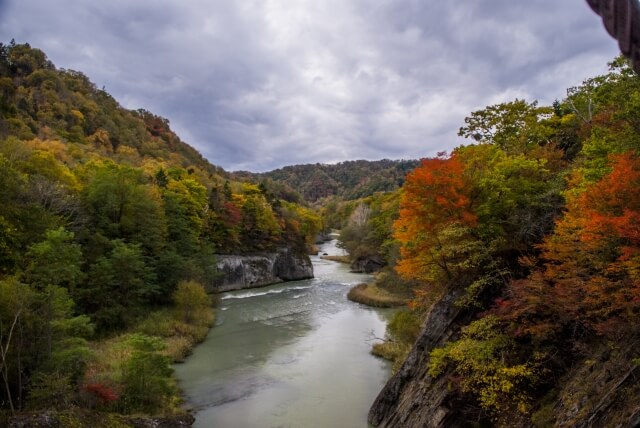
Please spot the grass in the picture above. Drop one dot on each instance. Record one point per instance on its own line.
(392, 351)
(372, 295)
(339, 259)
(178, 337)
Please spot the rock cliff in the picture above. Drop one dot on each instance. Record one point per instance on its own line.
(600, 390)
(412, 398)
(257, 270)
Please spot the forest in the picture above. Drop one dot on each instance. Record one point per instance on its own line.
(109, 226)
(533, 231)
(348, 180)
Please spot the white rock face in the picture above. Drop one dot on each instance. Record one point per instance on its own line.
(257, 270)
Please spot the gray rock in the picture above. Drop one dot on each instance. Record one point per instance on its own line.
(368, 264)
(412, 398)
(257, 270)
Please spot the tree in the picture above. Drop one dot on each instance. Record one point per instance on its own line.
(146, 375)
(613, 127)
(185, 205)
(55, 261)
(516, 198)
(41, 340)
(16, 302)
(299, 222)
(590, 280)
(354, 233)
(435, 207)
(600, 282)
(515, 126)
(11, 224)
(191, 301)
(66, 352)
(260, 228)
(122, 205)
(119, 285)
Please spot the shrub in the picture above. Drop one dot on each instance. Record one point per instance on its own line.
(145, 375)
(191, 301)
(482, 357)
(405, 326)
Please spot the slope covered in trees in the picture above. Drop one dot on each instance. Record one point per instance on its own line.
(346, 180)
(525, 246)
(103, 212)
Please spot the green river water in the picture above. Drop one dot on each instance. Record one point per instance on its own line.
(295, 354)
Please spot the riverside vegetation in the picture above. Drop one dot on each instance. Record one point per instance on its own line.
(109, 226)
(523, 250)
(526, 253)
(520, 252)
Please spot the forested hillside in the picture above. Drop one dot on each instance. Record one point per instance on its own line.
(521, 249)
(346, 180)
(103, 213)
(525, 249)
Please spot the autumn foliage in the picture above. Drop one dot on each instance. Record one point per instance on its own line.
(590, 278)
(100, 393)
(537, 226)
(434, 206)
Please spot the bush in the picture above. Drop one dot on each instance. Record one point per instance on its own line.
(145, 375)
(389, 280)
(191, 301)
(482, 357)
(392, 351)
(405, 326)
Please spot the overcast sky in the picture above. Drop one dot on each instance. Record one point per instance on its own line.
(260, 84)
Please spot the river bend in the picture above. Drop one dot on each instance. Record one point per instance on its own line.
(289, 355)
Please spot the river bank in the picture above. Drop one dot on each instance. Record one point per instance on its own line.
(163, 337)
(372, 295)
(291, 354)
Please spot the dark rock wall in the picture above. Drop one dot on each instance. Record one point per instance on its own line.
(368, 264)
(412, 398)
(600, 390)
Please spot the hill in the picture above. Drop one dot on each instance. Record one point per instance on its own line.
(347, 180)
(41, 102)
(109, 224)
(524, 252)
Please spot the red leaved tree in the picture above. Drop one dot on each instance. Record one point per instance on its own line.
(591, 275)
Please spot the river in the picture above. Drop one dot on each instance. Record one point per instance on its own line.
(295, 354)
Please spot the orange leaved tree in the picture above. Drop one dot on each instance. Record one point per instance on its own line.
(435, 222)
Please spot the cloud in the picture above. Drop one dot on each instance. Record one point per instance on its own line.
(260, 84)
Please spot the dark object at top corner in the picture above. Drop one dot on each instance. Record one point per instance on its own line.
(621, 18)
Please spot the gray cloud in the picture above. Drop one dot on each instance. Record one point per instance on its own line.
(260, 84)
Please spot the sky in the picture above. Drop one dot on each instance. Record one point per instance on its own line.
(259, 84)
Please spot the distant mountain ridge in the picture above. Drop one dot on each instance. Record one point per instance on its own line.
(347, 180)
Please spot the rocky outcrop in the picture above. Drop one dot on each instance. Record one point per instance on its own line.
(600, 390)
(368, 264)
(411, 398)
(257, 270)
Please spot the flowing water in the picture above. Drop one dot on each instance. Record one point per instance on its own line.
(289, 355)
